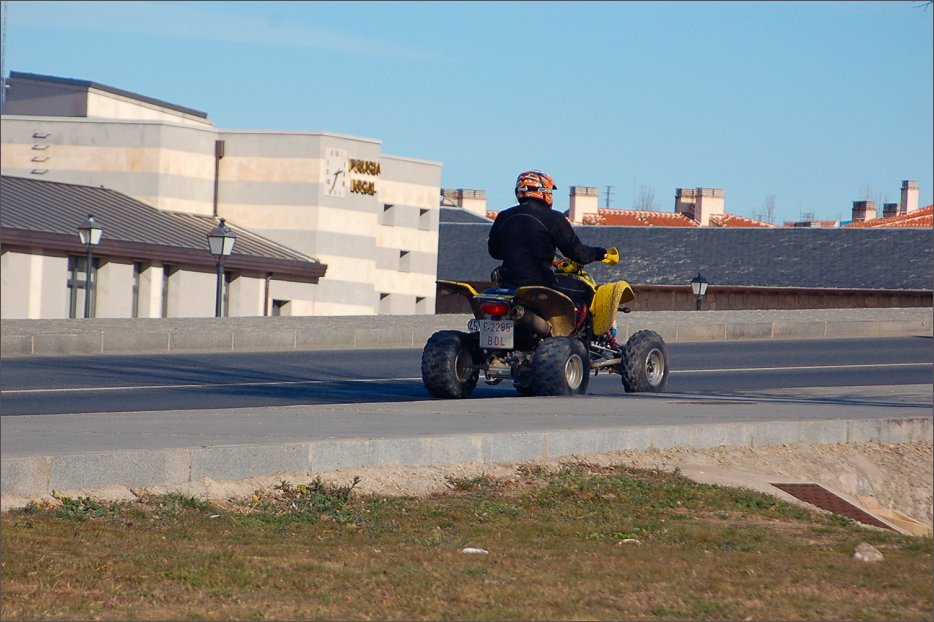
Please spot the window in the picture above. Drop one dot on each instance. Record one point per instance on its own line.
(78, 287)
(385, 302)
(167, 272)
(388, 216)
(405, 261)
(424, 219)
(137, 271)
(281, 307)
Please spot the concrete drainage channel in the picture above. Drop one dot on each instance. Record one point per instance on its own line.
(820, 497)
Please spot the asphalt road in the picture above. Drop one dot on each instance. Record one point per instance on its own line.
(109, 383)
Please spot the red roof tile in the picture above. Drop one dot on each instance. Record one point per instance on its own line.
(638, 218)
(918, 219)
(732, 220)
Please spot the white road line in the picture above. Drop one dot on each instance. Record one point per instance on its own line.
(803, 367)
(377, 380)
(200, 386)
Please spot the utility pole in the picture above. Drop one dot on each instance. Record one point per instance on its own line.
(609, 193)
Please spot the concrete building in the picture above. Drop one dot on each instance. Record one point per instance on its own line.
(371, 217)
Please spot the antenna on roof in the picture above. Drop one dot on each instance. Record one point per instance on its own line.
(3, 86)
(609, 192)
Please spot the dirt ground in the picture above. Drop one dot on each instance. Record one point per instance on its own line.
(888, 476)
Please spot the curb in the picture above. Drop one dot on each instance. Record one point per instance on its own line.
(32, 476)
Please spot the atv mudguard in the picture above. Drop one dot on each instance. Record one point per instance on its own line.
(606, 303)
(552, 305)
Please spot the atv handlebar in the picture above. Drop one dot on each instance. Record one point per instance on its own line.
(569, 266)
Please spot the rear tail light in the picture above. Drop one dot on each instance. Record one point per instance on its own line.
(494, 308)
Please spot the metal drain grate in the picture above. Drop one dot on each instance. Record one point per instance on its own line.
(817, 495)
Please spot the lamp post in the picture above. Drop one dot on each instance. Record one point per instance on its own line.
(90, 234)
(221, 241)
(699, 287)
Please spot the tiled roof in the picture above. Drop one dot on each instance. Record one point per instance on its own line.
(732, 220)
(638, 218)
(743, 257)
(48, 214)
(922, 218)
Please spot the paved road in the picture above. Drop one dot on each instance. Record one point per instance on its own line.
(57, 385)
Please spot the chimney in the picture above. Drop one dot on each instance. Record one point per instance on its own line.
(709, 202)
(889, 210)
(864, 210)
(909, 202)
(474, 201)
(685, 199)
(583, 203)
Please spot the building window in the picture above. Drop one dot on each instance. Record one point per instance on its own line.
(384, 303)
(167, 272)
(424, 219)
(405, 261)
(388, 216)
(78, 287)
(281, 307)
(137, 271)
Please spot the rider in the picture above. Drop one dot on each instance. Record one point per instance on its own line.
(526, 235)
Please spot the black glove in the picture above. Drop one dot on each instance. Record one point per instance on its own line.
(601, 252)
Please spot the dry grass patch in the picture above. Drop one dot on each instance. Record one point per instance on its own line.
(577, 542)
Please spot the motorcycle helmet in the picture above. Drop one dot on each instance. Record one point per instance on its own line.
(535, 184)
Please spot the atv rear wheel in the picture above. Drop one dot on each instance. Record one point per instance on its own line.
(560, 366)
(644, 367)
(446, 364)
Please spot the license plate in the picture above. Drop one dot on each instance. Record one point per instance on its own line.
(497, 334)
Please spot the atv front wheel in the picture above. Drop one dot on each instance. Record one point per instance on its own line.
(644, 367)
(447, 361)
(560, 366)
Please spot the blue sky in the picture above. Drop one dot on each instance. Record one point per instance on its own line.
(817, 104)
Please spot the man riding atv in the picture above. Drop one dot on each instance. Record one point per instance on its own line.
(526, 235)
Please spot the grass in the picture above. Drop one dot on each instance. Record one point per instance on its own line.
(583, 542)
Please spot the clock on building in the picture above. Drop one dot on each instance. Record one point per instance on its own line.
(335, 172)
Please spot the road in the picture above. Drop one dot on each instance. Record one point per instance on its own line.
(108, 383)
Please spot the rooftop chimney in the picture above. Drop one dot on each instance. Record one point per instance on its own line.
(864, 210)
(889, 210)
(909, 202)
(474, 201)
(583, 203)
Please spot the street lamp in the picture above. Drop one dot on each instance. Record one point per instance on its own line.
(699, 287)
(221, 240)
(90, 234)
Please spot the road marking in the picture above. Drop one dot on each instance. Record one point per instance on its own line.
(803, 367)
(201, 386)
(378, 380)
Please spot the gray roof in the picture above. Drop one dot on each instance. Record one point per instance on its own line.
(87, 84)
(459, 214)
(47, 214)
(742, 257)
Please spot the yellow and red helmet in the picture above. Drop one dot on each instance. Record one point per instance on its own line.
(535, 184)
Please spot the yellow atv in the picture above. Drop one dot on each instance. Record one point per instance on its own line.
(547, 341)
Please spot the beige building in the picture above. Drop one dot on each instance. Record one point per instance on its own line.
(372, 218)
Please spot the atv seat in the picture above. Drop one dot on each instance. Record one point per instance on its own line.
(500, 291)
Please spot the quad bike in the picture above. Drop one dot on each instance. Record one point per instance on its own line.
(542, 340)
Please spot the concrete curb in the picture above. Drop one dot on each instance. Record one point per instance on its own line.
(33, 476)
(139, 336)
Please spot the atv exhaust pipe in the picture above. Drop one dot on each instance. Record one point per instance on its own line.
(537, 323)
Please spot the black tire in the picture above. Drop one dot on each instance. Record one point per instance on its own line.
(560, 366)
(644, 367)
(446, 361)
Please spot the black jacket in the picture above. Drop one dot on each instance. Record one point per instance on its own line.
(525, 237)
